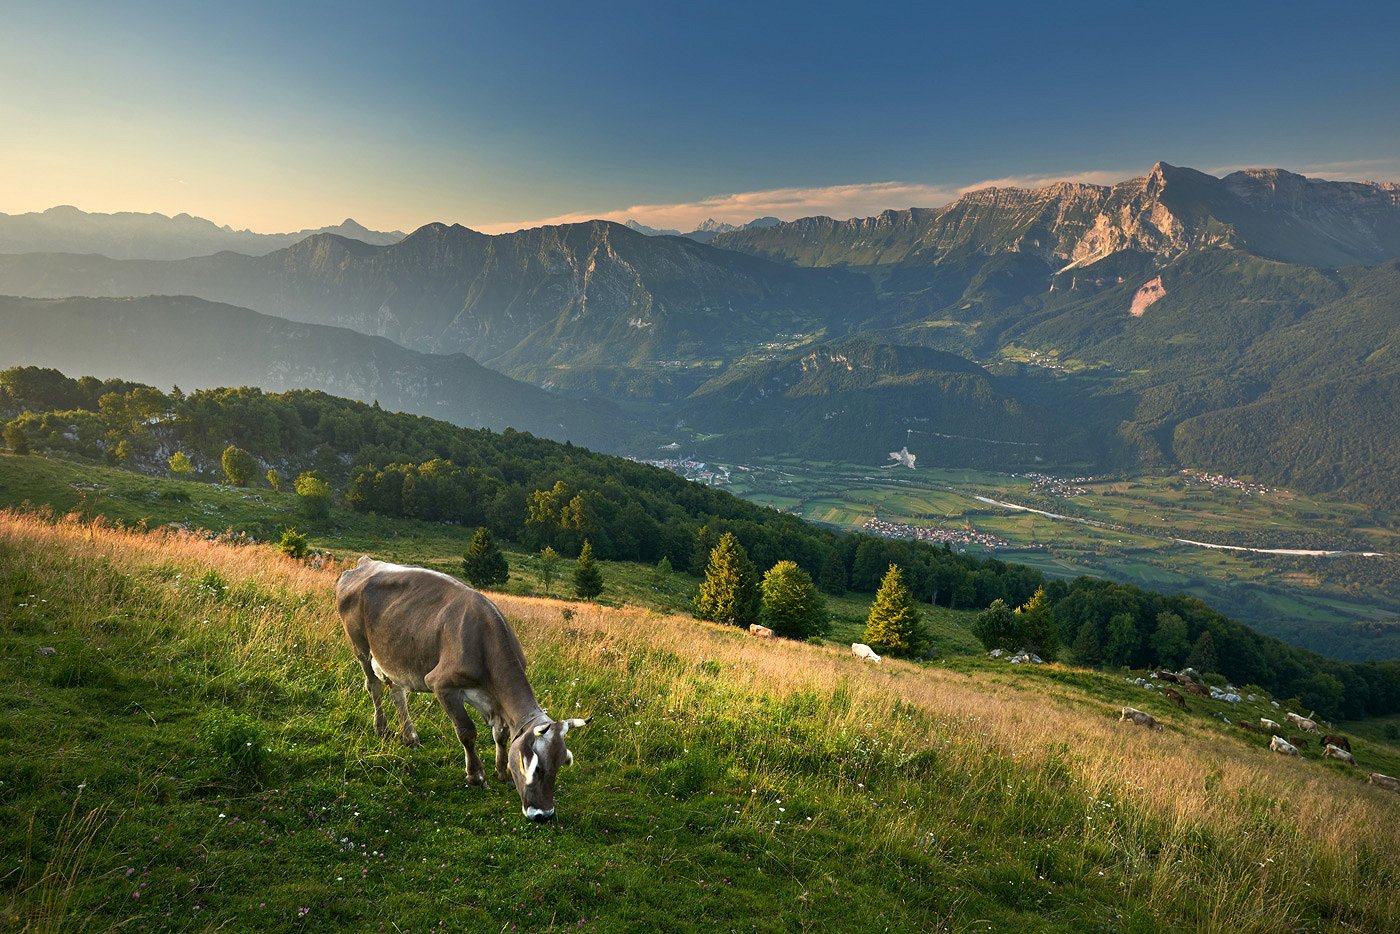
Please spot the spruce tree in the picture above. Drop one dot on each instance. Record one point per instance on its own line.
(1035, 624)
(893, 624)
(588, 581)
(483, 565)
(791, 605)
(729, 593)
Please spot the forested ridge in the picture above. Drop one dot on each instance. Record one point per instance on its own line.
(537, 492)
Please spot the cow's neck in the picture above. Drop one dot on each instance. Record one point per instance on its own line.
(519, 708)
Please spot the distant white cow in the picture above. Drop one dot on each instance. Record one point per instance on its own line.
(1139, 717)
(1337, 752)
(763, 632)
(1282, 746)
(861, 650)
(1385, 781)
(1303, 723)
(1268, 724)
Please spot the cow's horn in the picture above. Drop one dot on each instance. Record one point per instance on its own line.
(574, 723)
(542, 728)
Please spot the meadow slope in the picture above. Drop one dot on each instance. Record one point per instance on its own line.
(197, 754)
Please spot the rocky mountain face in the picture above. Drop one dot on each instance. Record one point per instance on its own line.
(128, 235)
(569, 296)
(195, 344)
(1267, 212)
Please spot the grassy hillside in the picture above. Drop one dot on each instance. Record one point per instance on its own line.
(207, 761)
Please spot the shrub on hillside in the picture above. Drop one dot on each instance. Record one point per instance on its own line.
(483, 565)
(293, 544)
(313, 495)
(240, 467)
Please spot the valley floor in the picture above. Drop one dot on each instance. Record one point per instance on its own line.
(1241, 547)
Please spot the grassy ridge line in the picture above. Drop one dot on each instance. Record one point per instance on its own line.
(934, 797)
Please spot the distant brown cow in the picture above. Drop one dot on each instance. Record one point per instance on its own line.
(1340, 742)
(1175, 697)
(1246, 725)
(1169, 676)
(1299, 741)
(1195, 688)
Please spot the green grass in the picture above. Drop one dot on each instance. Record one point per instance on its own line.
(197, 754)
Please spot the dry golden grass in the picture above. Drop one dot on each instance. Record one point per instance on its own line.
(1198, 818)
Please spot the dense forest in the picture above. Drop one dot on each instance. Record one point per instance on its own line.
(537, 492)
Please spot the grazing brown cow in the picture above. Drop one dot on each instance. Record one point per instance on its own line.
(1245, 724)
(1340, 742)
(1196, 688)
(1299, 741)
(1175, 697)
(418, 630)
(1169, 676)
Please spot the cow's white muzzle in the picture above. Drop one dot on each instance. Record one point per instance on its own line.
(538, 815)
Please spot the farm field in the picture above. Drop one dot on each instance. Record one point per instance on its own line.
(770, 785)
(1124, 529)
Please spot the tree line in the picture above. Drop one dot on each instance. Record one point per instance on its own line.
(544, 494)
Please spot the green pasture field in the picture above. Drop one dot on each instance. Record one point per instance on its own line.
(1137, 518)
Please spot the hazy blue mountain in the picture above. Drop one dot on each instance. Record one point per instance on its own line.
(195, 344)
(129, 235)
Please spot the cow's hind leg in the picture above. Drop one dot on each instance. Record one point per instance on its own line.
(410, 735)
(375, 687)
(455, 703)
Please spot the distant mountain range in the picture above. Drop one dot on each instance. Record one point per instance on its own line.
(129, 235)
(195, 344)
(706, 232)
(1249, 323)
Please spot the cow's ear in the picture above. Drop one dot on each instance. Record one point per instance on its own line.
(574, 723)
(542, 729)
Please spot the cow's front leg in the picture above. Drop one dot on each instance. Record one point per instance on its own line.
(501, 733)
(455, 703)
(410, 735)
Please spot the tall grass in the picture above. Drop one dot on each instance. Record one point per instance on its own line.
(977, 796)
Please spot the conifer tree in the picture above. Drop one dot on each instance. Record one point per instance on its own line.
(1086, 645)
(483, 565)
(893, 624)
(588, 580)
(1203, 657)
(791, 605)
(1035, 624)
(549, 561)
(729, 593)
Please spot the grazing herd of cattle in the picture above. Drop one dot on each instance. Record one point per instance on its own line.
(412, 629)
(1334, 746)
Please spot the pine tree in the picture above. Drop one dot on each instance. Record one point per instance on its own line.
(791, 605)
(483, 565)
(893, 624)
(1035, 624)
(729, 593)
(1203, 656)
(663, 570)
(588, 581)
(1086, 645)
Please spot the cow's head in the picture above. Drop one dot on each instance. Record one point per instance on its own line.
(536, 756)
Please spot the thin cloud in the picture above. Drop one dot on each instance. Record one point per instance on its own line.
(842, 201)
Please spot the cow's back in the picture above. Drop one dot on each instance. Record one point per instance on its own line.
(413, 620)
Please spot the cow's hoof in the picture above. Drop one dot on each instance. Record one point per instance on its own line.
(413, 741)
(477, 782)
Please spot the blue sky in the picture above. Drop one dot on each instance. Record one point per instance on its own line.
(286, 115)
